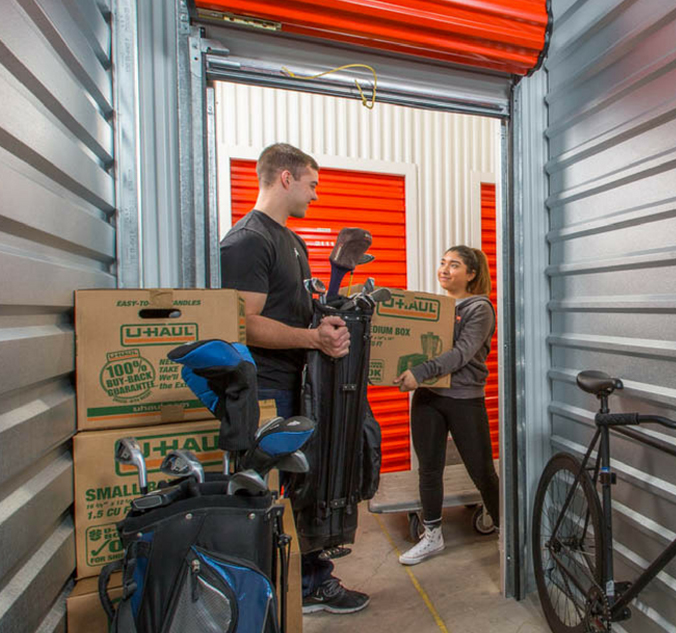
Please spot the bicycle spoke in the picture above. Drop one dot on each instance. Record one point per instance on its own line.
(566, 542)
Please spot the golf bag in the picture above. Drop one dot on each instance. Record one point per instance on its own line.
(344, 452)
(205, 562)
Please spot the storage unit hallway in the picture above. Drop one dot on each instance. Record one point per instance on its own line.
(457, 591)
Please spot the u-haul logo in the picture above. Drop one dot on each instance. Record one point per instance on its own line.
(203, 444)
(144, 334)
(412, 307)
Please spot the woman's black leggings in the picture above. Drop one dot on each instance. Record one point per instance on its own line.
(432, 418)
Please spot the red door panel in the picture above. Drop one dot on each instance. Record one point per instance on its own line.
(489, 246)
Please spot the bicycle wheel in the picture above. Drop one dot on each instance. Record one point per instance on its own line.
(568, 564)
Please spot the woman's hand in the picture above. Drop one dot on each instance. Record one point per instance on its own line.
(406, 381)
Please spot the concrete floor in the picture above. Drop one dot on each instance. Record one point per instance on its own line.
(459, 590)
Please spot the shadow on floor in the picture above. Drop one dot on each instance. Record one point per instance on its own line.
(461, 585)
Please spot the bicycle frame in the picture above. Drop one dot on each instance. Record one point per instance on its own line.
(603, 474)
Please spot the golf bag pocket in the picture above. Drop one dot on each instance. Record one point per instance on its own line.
(219, 595)
(203, 563)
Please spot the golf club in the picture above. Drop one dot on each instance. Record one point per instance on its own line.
(248, 481)
(380, 294)
(276, 439)
(181, 463)
(128, 452)
(158, 498)
(350, 245)
(369, 286)
(315, 286)
(366, 258)
(294, 463)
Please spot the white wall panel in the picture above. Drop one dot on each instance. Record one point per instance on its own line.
(445, 148)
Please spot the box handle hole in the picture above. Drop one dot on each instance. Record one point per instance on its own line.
(159, 313)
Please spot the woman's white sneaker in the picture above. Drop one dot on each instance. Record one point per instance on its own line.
(431, 543)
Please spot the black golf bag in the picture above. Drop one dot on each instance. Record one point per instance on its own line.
(204, 562)
(344, 452)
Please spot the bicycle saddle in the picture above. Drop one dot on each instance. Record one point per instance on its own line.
(595, 382)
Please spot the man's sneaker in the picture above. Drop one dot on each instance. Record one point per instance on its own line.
(331, 596)
(431, 543)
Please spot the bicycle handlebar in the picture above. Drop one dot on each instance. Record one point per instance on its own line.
(632, 419)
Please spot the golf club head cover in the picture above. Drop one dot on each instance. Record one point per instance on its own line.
(350, 245)
(287, 438)
(223, 376)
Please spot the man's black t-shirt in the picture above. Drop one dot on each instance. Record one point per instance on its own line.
(260, 255)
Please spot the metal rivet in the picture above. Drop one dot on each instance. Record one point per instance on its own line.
(188, 516)
(251, 516)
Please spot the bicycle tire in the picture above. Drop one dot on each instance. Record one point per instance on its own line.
(577, 552)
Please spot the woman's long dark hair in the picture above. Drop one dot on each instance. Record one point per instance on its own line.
(476, 263)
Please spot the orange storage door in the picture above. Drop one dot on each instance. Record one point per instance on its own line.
(489, 246)
(504, 35)
(375, 202)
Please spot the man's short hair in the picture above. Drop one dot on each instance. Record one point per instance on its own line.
(279, 157)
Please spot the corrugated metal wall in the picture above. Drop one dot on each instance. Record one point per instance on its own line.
(445, 148)
(56, 201)
(612, 143)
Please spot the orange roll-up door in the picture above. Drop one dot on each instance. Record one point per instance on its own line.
(375, 202)
(489, 246)
(504, 35)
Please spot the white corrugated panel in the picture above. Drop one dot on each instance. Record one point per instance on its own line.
(445, 149)
(56, 203)
(612, 143)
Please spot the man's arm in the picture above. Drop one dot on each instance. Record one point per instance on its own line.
(331, 337)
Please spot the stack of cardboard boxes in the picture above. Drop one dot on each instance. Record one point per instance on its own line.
(126, 386)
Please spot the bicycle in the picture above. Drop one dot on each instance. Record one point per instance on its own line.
(572, 527)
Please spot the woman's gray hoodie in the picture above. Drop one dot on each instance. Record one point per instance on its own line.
(466, 361)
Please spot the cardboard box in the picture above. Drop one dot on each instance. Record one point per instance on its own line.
(124, 377)
(84, 611)
(407, 330)
(294, 594)
(104, 489)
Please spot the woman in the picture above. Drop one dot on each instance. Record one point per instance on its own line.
(461, 409)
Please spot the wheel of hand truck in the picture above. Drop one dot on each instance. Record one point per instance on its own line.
(415, 527)
(568, 559)
(482, 522)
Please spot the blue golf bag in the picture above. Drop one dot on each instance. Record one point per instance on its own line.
(205, 556)
(204, 563)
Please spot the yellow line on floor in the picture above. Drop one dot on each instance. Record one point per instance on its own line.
(414, 580)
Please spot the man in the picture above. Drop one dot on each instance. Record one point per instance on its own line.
(267, 263)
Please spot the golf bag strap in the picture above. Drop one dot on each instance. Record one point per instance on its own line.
(284, 555)
(104, 579)
(122, 620)
(284, 547)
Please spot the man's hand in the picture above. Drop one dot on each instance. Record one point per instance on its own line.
(406, 381)
(333, 337)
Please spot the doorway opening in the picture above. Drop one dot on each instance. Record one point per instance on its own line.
(420, 180)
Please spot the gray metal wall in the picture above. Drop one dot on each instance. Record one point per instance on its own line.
(612, 271)
(56, 204)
